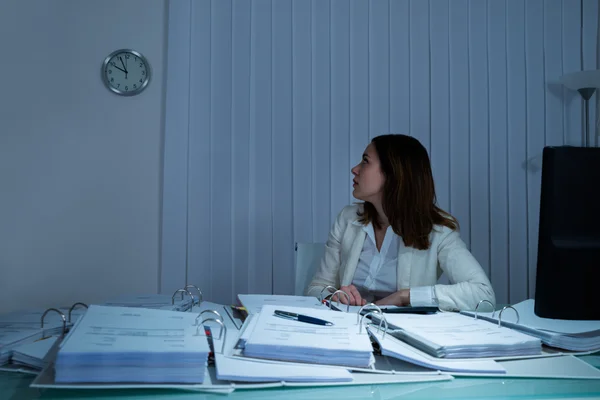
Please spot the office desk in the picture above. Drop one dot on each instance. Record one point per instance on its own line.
(16, 386)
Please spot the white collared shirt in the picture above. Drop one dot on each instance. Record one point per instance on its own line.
(377, 270)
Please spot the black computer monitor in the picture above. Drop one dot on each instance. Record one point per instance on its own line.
(568, 264)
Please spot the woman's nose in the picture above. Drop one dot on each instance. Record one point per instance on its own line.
(354, 170)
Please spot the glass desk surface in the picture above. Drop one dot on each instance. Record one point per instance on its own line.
(16, 386)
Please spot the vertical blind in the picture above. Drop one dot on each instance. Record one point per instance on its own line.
(270, 103)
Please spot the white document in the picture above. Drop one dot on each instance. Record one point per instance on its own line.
(453, 335)
(528, 318)
(287, 340)
(153, 301)
(393, 347)
(250, 370)
(254, 302)
(565, 334)
(123, 344)
(32, 354)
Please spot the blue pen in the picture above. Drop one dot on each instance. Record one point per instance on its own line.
(301, 318)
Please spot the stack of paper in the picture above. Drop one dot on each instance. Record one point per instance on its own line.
(153, 301)
(452, 335)
(31, 355)
(289, 340)
(24, 327)
(254, 302)
(565, 334)
(123, 344)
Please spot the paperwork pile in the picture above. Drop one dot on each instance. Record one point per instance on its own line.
(121, 344)
(287, 340)
(451, 335)
(565, 334)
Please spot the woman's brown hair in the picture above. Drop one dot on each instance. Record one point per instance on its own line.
(409, 200)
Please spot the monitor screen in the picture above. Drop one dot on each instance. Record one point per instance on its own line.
(568, 262)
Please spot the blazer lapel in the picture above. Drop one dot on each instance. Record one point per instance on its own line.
(354, 255)
(405, 255)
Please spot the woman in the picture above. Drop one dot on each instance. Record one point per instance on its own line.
(392, 248)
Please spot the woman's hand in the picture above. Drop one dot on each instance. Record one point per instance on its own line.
(399, 298)
(353, 295)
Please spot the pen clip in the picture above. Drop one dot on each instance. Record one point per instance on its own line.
(285, 315)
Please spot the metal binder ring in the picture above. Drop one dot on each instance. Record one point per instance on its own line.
(61, 315)
(382, 319)
(222, 331)
(500, 315)
(182, 291)
(338, 300)
(370, 305)
(73, 307)
(484, 301)
(208, 311)
(199, 293)
(328, 287)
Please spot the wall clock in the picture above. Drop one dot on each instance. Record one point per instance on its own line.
(126, 72)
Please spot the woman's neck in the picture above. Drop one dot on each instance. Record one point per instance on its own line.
(381, 217)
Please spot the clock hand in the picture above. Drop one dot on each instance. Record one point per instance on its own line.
(119, 68)
(123, 64)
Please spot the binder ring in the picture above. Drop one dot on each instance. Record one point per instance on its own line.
(381, 321)
(73, 307)
(338, 300)
(182, 291)
(61, 315)
(208, 311)
(370, 305)
(328, 287)
(199, 293)
(500, 315)
(484, 301)
(222, 331)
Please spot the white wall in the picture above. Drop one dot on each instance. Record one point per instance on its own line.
(80, 167)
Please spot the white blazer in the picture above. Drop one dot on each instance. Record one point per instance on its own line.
(447, 253)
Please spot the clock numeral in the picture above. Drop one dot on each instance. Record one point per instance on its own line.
(134, 86)
(143, 72)
(112, 79)
(110, 71)
(127, 56)
(141, 65)
(112, 63)
(126, 88)
(118, 85)
(141, 81)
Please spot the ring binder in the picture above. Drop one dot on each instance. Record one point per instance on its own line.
(328, 287)
(73, 307)
(500, 315)
(365, 306)
(182, 292)
(222, 331)
(208, 311)
(200, 297)
(62, 316)
(483, 301)
(381, 321)
(338, 300)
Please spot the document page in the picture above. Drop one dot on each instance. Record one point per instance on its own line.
(121, 329)
(254, 302)
(451, 329)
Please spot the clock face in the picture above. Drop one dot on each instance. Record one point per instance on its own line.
(126, 72)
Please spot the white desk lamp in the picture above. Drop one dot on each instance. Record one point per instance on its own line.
(585, 82)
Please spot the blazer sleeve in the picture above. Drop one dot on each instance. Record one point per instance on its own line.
(328, 271)
(468, 282)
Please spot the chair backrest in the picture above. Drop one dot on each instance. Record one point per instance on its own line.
(308, 258)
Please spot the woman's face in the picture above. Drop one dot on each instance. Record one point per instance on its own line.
(368, 178)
